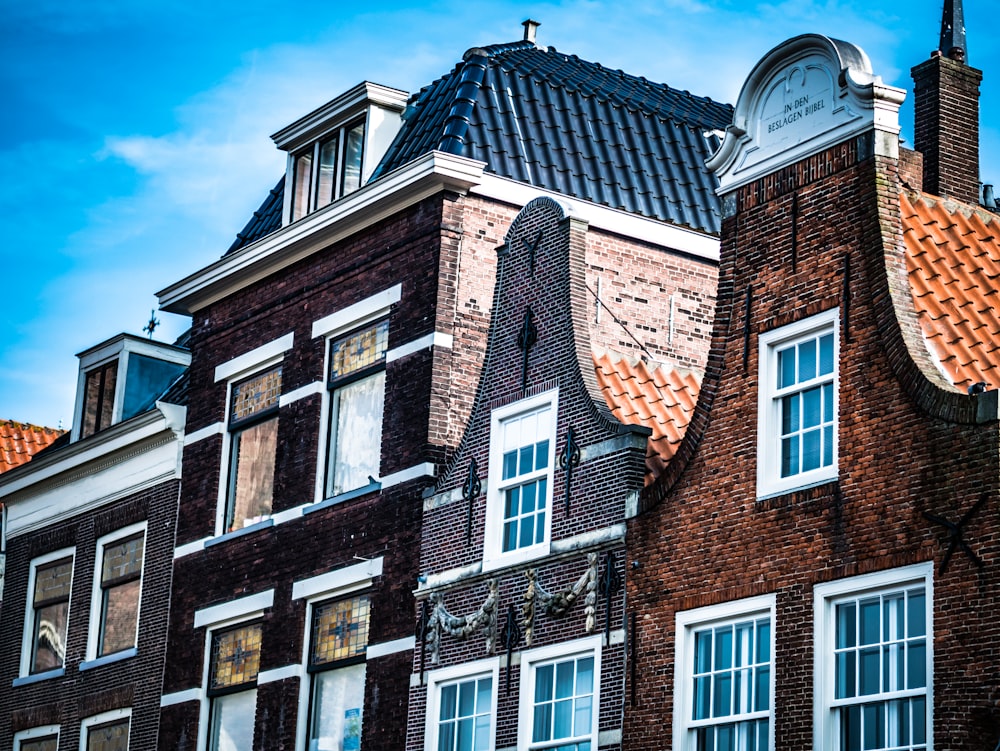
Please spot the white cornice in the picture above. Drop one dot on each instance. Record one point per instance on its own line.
(605, 218)
(430, 174)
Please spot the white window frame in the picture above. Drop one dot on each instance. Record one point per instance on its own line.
(493, 554)
(438, 679)
(314, 149)
(115, 715)
(825, 598)
(35, 733)
(27, 639)
(96, 595)
(769, 480)
(688, 623)
(531, 660)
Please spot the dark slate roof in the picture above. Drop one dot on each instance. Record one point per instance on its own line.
(564, 124)
(265, 220)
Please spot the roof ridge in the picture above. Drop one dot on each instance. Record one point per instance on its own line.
(952, 205)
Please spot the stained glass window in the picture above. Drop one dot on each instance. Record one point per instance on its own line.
(339, 630)
(235, 657)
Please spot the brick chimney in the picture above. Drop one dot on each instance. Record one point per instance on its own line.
(946, 113)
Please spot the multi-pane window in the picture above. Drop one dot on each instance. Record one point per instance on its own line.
(357, 398)
(235, 662)
(50, 614)
(875, 662)
(798, 420)
(99, 398)
(253, 426)
(464, 721)
(563, 706)
(338, 641)
(327, 169)
(121, 579)
(108, 736)
(526, 462)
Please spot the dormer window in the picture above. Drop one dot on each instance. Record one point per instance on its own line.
(122, 378)
(328, 169)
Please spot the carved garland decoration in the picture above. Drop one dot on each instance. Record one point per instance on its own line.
(556, 604)
(461, 627)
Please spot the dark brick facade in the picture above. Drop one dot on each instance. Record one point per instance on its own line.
(133, 682)
(907, 447)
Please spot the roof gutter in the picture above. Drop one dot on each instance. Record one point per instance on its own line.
(430, 174)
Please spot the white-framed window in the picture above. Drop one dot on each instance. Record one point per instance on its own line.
(253, 445)
(874, 662)
(797, 404)
(462, 707)
(724, 676)
(42, 738)
(46, 620)
(99, 398)
(233, 665)
(114, 614)
(327, 169)
(560, 696)
(108, 731)
(356, 381)
(519, 492)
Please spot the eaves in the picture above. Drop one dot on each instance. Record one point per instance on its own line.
(432, 173)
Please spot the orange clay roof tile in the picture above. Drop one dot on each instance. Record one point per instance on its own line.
(657, 396)
(953, 263)
(19, 441)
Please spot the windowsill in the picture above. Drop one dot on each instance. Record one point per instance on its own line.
(515, 557)
(108, 659)
(349, 495)
(771, 492)
(28, 679)
(239, 533)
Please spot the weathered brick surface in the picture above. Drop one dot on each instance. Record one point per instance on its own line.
(906, 447)
(133, 682)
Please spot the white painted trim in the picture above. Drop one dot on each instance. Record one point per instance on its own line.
(686, 622)
(242, 608)
(493, 556)
(459, 674)
(372, 203)
(255, 358)
(425, 469)
(300, 393)
(434, 339)
(605, 218)
(115, 715)
(190, 547)
(364, 311)
(768, 406)
(28, 631)
(179, 697)
(825, 596)
(279, 674)
(288, 514)
(216, 428)
(406, 644)
(564, 650)
(96, 599)
(335, 582)
(36, 732)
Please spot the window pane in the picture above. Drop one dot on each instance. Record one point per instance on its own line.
(786, 367)
(763, 641)
(360, 350)
(846, 626)
(50, 637)
(826, 354)
(233, 718)
(99, 398)
(357, 436)
(122, 559)
(811, 450)
(327, 178)
(52, 581)
(449, 702)
(252, 473)
(337, 709)
(807, 360)
(916, 665)
(789, 414)
(703, 651)
(723, 648)
(870, 621)
(790, 456)
(762, 701)
(235, 656)
(255, 395)
(353, 147)
(119, 617)
(302, 179)
(870, 671)
(112, 736)
(49, 743)
(812, 414)
(339, 630)
(541, 455)
(916, 623)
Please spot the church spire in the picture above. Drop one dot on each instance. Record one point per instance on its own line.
(953, 31)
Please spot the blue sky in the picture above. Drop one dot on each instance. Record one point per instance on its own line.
(136, 141)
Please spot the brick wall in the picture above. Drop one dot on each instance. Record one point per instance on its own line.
(905, 448)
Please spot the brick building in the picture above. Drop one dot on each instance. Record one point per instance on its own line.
(336, 351)
(88, 531)
(816, 568)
